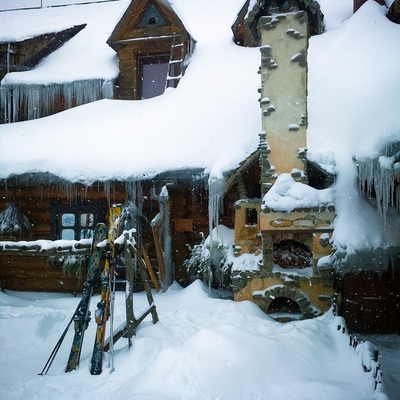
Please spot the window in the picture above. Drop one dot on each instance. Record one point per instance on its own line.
(153, 75)
(251, 216)
(76, 222)
(151, 15)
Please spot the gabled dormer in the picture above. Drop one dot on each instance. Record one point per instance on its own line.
(152, 44)
(245, 28)
(26, 54)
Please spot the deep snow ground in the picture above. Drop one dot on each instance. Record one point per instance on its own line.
(203, 347)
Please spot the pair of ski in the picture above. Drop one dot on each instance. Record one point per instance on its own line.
(105, 307)
(81, 316)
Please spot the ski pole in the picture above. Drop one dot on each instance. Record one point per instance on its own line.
(112, 304)
(57, 346)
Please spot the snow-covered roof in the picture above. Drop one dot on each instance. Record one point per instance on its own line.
(200, 125)
(85, 56)
(214, 124)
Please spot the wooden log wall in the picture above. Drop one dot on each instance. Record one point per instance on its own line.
(33, 272)
(35, 199)
(370, 302)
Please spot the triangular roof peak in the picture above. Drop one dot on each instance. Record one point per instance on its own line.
(245, 27)
(147, 18)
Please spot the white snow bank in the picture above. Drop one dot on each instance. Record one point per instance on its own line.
(336, 12)
(202, 348)
(286, 195)
(353, 95)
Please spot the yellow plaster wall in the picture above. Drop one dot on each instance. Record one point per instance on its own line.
(312, 288)
(247, 236)
(298, 220)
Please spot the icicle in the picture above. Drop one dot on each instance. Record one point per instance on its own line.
(215, 196)
(37, 100)
(107, 190)
(379, 174)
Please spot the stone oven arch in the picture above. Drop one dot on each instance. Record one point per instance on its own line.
(301, 299)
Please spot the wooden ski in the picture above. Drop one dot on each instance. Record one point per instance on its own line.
(82, 313)
(103, 307)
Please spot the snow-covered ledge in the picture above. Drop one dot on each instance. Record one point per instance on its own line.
(47, 247)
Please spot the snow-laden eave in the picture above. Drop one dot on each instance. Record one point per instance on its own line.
(37, 178)
(231, 175)
(377, 259)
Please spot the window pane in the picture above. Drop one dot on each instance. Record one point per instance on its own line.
(87, 220)
(68, 220)
(68, 234)
(151, 16)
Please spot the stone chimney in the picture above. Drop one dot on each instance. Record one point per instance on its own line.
(284, 40)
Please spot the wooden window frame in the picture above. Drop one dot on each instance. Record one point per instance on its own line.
(57, 210)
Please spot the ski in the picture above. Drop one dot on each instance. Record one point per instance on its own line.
(82, 314)
(103, 307)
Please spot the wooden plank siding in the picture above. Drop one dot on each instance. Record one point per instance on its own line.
(28, 272)
(371, 302)
(134, 37)
(128, 86)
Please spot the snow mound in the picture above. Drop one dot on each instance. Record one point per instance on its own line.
(286, 195)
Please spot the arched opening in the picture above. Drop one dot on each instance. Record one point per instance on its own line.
(285, 304)
(292, 254)
(284, 309)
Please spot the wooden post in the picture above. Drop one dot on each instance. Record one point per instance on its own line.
(129, 268)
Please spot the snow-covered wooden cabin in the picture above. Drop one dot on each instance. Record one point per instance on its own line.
(199, 142)
(152, 45)
(152, 48)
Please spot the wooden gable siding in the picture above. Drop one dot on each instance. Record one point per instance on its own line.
(394, 12)
(26, 54)
(245, 28)
(127, 27)
(128, 85)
